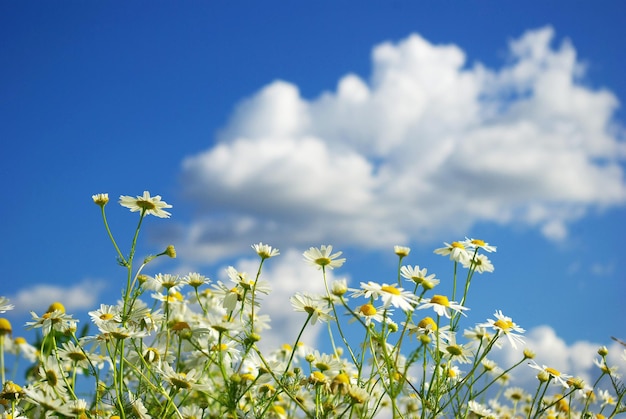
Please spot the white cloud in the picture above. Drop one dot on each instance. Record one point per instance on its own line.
(427, 145)
(38, 298)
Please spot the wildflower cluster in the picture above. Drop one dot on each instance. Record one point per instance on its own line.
(185, 346)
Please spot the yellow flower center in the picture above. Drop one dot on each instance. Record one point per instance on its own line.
(553, 372)
(478, 242)
(503, 324)
(181, 381)
(318, 376)
(342, 378)
(19, 340)
(77, 356)
(454, 350)
(322, 261)
(427, 323)
(5, 327)
(106, 316)
(51, 378)
(367, 310)
(145, 205)
(56, 306)
(442, 300)
(390, 289)
(322, 366)
(458, 245)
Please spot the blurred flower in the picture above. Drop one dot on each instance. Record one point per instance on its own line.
(402, 251)
(322, 257)
(4, 305)
(316, 308)
(265, 251)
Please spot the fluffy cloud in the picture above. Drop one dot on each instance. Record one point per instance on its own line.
(38, 298)
(427, 145)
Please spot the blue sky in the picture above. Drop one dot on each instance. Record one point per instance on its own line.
(357, 124)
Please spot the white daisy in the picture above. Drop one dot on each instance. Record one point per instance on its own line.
(391, 295)
(322, 257)
(505, 325)
(442, 305)
(148, 205)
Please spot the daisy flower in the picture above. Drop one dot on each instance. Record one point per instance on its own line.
(148, 205)
(106, 313)
(265, 251)
(190, 380)
(480, 263)
(442, 305)
(478, 244)
(417, 275)
(56, 319)
(195, 280)
(367, 312)
(100, 199)
(316, 308)
(456, 251)
(322, 257)
(505, 325)
(401, 251)
(480, 410)
(557, 375)
(397, 297)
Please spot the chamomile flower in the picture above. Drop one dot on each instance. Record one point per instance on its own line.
(442, 305)
(456, 251)
(146, 204)
(100, 199)
(505, 325)
(480, 263)
(190, 380)
(106, 313)
(323, 257)
(52, 320)
(551, 372)
(391, 295)
(170, 282)
(415, 274)
(265, 251)
(480, 410)
(317, 308)
(195, 280)
(401, 251)
(368, 313)
(457, 352)
(478, 244)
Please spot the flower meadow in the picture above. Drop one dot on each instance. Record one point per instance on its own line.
(184, 346)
